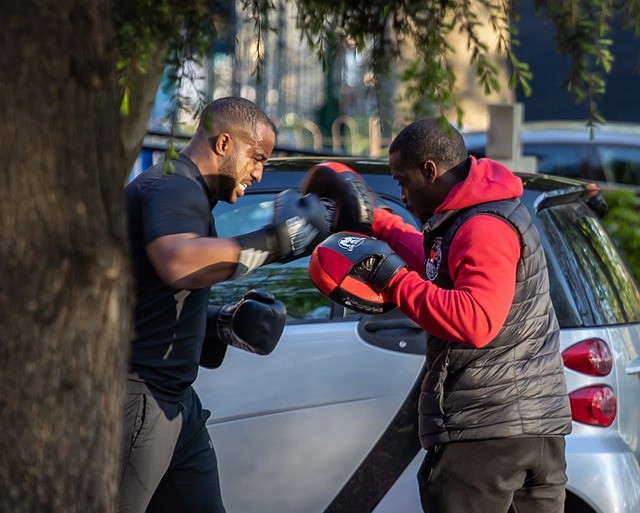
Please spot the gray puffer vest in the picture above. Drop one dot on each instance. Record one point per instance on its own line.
(515, 385)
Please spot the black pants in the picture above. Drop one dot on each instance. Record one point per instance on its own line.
(168, 463)
(514, 475)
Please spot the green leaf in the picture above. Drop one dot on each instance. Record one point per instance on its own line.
(124, 104)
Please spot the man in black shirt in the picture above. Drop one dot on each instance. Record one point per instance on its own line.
(168, 462)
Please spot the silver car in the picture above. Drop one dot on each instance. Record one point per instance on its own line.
(563, 148)
(328, 421)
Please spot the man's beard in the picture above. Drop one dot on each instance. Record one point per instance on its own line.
(228, 179)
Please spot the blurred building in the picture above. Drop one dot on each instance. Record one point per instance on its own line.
(550, 99)
(335, 108)
(303, 99)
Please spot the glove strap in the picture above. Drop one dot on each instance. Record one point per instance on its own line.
(329, 213)
(256, 249)
(223, 324)
(387, 269)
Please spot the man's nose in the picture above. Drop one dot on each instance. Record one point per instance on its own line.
(257, 173)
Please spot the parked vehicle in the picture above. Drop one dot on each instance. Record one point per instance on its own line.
(612, 156)
(327, 422)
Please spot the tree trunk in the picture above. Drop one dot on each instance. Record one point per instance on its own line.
(65, 289)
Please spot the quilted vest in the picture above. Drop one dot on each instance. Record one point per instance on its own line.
(515, 385)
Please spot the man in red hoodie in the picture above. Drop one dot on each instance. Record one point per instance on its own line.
(493, 408)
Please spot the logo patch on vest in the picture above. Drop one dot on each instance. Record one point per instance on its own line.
(433, 262)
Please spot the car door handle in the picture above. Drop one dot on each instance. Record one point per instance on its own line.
(394, 331)
(392, 324)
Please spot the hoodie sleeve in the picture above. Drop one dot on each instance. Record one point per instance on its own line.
(403, 238)
(482, 262)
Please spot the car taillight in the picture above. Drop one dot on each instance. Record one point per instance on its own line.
(591, 356)
(594, 405)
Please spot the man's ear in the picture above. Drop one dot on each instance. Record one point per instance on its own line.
(429, 170)
(221, 144)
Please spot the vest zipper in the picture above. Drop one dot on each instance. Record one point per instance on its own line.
(441, 380)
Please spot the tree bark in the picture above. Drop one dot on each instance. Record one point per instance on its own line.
(65, 290)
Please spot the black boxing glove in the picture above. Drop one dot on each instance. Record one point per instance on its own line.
(354, 271)
(253, 324)
(299, 225)
(348, 200)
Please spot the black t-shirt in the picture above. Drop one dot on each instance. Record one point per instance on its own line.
(169, 323)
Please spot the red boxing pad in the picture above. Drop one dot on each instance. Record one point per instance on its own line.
(331, 271)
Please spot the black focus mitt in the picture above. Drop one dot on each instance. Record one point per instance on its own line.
(254, 324)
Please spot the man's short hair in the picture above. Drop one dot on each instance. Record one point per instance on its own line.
(428, 139)
(234, 115)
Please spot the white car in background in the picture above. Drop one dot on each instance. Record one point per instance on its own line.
(611, 157)
(328, 421)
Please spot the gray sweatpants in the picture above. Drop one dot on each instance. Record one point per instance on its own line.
(168, 463)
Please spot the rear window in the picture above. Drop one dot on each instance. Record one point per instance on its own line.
(590, 284)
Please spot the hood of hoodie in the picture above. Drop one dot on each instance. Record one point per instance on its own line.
(487, 180)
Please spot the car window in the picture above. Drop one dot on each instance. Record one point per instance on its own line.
(289, 282)
(568, 160)
(594, 286)
(621, 163)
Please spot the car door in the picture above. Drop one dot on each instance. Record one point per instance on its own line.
(292, 429)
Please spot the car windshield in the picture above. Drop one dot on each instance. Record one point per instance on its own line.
(593, 285)
(621, 163)
(561, 159)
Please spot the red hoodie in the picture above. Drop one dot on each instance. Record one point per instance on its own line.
(482, 262)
